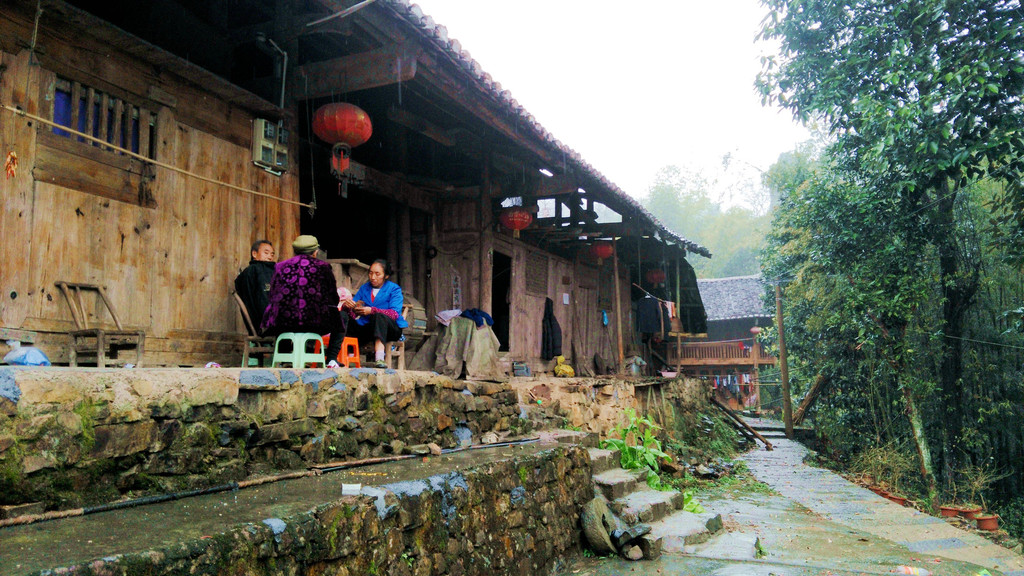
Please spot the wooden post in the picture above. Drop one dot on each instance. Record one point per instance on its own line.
(618, 301)
(486, 240)
(394, 238)
(787, 402)
(755, 356)
(405, 250)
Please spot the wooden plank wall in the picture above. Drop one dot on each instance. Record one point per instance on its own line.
(587, 286)
(169, 269)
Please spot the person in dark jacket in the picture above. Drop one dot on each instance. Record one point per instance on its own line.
(551, 333)
(253, 284)
(304, 297)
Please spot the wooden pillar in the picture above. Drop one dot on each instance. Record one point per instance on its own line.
(430, 297)
(618, 301)
(486, 241)
(392, 235)
(405, 277)
(755, 357)
(787, 402)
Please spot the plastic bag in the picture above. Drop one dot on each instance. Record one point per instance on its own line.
(563, 370)
(25, 356)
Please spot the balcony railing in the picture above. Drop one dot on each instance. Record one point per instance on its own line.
(718, 354)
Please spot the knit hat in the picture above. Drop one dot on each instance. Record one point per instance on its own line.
(305, 244)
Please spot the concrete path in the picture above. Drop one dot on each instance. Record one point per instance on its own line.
(813, 522)
(833, 497)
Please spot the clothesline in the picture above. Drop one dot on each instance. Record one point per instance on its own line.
(652, 295)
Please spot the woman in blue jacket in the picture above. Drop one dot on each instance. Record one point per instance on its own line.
(377, 310)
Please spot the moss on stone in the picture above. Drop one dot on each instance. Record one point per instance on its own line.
(378, 407)
(87, 410)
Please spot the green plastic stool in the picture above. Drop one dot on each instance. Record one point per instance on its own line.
(306, 348)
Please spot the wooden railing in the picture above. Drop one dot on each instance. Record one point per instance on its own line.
(718, 354)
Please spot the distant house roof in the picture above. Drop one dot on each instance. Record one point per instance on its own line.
(732, 298)
(439, 35)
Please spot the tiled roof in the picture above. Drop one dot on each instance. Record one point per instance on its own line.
(731, 298)
(438, 34)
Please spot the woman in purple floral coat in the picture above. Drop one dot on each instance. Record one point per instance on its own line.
(304, 297)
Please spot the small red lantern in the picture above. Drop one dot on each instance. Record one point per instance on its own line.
(602, 250)
(515, 219)
(655, 276)
(344, 125)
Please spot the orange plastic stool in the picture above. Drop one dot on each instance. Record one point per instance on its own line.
(349, 355)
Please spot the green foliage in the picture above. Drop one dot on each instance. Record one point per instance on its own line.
(637, 443)
(1011, 517)
(690, 503)
(879, 241)
(759, 550)
(734, 236)
(889, 465)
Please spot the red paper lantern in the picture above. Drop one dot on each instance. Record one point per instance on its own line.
(344, 125)
(515, 219)
(656, 276)
(602, 250)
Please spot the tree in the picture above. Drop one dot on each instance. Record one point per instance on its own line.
(923, 99)
(734, 236)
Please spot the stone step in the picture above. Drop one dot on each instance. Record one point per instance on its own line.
(618, 483)
(679, 532)
(602, 460)
(646, 505)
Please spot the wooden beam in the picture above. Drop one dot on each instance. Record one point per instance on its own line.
(738, 420)
(390, 187)
(421, 125)
(380, 67)
(809, 399)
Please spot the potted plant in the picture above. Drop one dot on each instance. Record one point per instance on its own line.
(987, 521)
(976, 480)
(948, 510)
(901, 500)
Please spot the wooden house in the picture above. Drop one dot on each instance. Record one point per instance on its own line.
(156, 140)
(730, 356)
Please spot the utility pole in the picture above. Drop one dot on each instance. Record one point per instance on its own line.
(787, 402)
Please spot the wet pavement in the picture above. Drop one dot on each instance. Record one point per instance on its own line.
(814, 522)
(46, 545)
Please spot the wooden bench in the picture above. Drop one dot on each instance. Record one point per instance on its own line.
(259, 347)
(102, 344)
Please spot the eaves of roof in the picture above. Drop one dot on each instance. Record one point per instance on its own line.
(437, 35)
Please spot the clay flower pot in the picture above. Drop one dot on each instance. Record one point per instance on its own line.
(968, 512)
(987, 521)
(948, 511)
(901, 500)
(878, 490)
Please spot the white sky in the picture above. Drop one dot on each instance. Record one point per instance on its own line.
(633, 86)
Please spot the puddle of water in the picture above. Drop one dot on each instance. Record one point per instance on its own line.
(35, 547)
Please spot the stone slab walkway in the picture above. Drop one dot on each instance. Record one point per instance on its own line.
(833, 497)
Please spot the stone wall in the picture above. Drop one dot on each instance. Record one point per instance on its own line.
(517, 517)
(74, 437)
(597, 405)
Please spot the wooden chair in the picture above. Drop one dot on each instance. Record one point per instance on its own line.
(259, 347)
(396, 349)
(102, 344)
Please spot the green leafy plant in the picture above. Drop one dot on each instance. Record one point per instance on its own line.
(637, 443)
(690, 503)
(759, 550)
